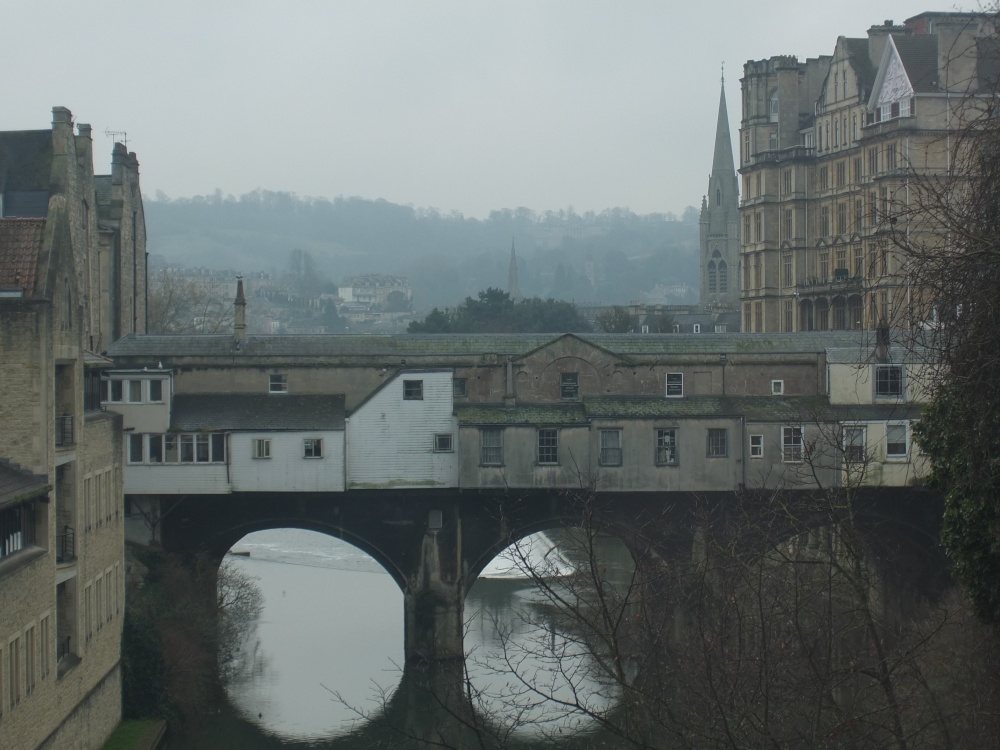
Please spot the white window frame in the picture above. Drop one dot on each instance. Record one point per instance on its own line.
(792, 444)
(666, 446)
(906, 442)
(777, 387)
(677, 386)
(490, 450)
(876, 381)
(413, 390)
(610, 445)
(850, 445)
(112, 383)
(444, 443)
(312, 448)
(261, 448)
(129, 386)
(277, 382)
(136, 439)
(149, 390)
(756, 446)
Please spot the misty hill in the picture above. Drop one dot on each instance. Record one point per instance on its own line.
(612, 257)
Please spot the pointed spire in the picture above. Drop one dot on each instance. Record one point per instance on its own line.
(239, 314)
(723, 161)
(513, 288)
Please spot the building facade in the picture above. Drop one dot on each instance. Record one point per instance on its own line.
(72, 278)
(829, 148)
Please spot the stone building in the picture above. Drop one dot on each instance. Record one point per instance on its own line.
(72, 279)
(720, 226)
(829, 150)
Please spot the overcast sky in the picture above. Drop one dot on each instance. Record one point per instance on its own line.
(459, 105)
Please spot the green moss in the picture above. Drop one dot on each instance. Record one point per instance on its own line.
(134, 734)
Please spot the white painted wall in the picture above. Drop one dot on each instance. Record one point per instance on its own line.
(390, 441)
(144, 416)
(287, 470)
(175, 479)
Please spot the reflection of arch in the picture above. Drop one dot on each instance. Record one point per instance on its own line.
(806, 321)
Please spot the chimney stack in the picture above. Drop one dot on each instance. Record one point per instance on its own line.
(239, 315)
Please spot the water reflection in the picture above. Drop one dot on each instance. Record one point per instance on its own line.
(328, 650)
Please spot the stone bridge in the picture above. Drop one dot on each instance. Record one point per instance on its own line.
(435, 543)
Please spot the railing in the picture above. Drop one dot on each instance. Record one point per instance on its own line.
(64, 429)
(66, 546)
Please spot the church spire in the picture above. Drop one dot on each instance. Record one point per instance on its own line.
(723, 163)
(513, 288)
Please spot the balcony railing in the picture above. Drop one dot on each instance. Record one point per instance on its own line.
(66, 545)
(64, 430)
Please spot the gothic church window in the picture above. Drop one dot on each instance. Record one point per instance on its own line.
(723, 277)
(712, 278)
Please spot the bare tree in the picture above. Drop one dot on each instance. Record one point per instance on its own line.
(179, 303)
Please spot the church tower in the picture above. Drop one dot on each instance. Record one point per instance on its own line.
(720, 226)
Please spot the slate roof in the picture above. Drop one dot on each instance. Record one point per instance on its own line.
(919, 55)
(857, 51)
(523, 414)
(256, 411)
(102, 189)
(26, 204)
(20, 246)
(25, 160)
(17, 484)
(397, 346)
(782, 409)
(896, 355)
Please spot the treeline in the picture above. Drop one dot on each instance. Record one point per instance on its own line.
(495, 312)
(611, 256)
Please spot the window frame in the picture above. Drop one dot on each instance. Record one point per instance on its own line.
(277, 382)
(610, 455)
(149, 390)
(792, 444)
(260, 449)
(569, 386)
(459, 387)
(888, 387)
(413, 390)
(757, 446)
(484, 448)
(906, 441)
(132, 385)
(547, 441)
(312, 448)
(440, 440)
(666, 449)
(136, 439)
(777, 387)
(717, 442)
(677, 386)
(849, 443)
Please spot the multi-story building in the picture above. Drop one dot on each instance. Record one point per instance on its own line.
(72, 279)
(829, 149)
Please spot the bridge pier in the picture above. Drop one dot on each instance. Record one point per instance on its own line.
(434, 600)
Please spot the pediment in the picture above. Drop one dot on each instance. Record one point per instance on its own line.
(574, 346)
(892, 84)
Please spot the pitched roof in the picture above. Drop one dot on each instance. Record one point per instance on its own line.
(256, 411)
(781, 409)
(395, 346)
(17, 484)
(20, 246)
(25, 160)
(919, 55)
(857, 53)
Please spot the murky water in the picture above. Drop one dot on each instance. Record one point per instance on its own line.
(325, 665)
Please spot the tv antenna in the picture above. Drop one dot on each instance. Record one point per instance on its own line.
(115, 133)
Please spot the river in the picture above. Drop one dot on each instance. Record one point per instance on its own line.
(323, 667)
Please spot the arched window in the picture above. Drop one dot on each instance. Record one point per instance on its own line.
(723, 277)
(772, 106)
(718, 197)
(712, 279)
